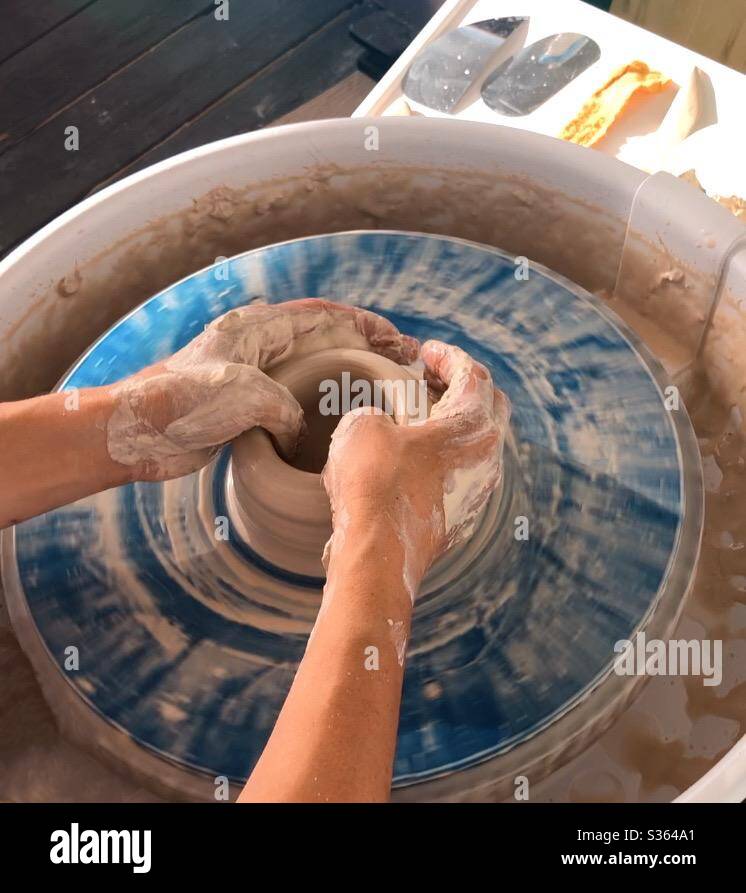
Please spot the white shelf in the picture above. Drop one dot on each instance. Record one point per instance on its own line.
(634, 139)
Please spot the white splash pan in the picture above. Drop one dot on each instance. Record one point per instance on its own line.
(680, 221)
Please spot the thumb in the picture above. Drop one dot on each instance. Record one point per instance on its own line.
(350, 426)
(352, 420)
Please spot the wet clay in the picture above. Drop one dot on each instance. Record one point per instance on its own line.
(281, 508)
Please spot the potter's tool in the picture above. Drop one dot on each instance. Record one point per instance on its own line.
(188, 642)
(444, 72)
(531, 77)
(489, 57)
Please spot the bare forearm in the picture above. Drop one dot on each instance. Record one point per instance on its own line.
(54, 452)
(336, 735)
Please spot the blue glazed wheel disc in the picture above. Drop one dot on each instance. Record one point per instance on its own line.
(188, 646)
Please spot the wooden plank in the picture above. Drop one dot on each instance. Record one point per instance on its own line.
(670, 18)
(324, 59)
(144, 103)
(339, 101)
(720, 32)
(80, 53)
(715, 28)
(736, 52)
(27, 22)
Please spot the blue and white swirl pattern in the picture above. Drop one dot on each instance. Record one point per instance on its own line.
(189, 645)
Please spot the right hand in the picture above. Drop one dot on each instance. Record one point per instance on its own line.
(428, 480)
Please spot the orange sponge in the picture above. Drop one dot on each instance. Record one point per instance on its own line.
(608, 103)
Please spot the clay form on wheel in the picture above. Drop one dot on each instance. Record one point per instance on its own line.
(281, 510)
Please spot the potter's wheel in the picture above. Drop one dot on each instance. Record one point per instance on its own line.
(188, 644)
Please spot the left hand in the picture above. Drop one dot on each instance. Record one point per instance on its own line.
(169, 419)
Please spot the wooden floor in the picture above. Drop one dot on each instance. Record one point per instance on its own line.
(141, 80)
(715, 28)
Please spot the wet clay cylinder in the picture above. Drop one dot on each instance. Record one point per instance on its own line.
(280, 509)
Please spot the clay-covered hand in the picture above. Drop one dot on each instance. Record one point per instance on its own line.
(429, 479)
(169, 419)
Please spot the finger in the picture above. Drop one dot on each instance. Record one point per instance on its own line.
(352, 425)
(312, 324)
(264, 335)
(356, 327)
(282, 416)
(468, 383)
(501, 408)
(352, 420)
(241, 397)
(385, 339)
(176, 466)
